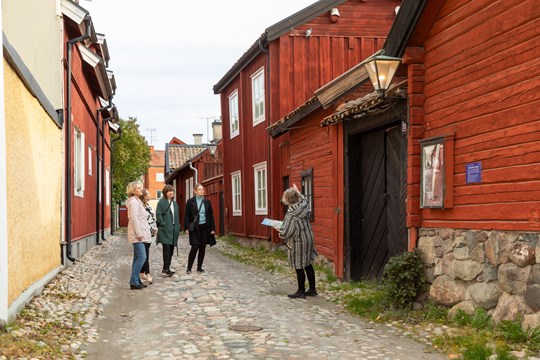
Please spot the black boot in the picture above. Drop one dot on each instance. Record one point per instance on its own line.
(312, 291)
(298, 294)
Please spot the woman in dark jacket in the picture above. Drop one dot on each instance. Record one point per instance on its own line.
(296, 231)
(199, 224)
(168, 221)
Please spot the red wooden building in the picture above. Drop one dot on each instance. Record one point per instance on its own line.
(278, 74)
(471, 128)
(89, 117)
(187, 165)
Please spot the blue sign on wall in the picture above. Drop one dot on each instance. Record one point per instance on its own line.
(473, 172)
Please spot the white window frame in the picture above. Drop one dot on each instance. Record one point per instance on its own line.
(261, 204)
(189, 188)
(160, 177)
(234, 118)
(108, 186)
(100, 190)
(78, 162)
(257, 96)
(236, 179)
(90, 160)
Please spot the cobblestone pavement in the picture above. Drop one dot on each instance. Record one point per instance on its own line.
(191, 316)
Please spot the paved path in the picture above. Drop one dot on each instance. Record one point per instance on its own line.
(189, 316)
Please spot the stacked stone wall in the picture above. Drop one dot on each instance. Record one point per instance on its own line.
(498, 271)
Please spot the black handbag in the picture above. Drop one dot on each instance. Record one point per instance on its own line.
(192, 224)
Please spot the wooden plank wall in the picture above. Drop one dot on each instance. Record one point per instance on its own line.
(312, 147)
(482, 70)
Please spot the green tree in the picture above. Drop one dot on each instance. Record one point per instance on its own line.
(130, 158)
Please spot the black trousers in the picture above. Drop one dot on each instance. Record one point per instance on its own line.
(200, 249)
(168, 251)
(301, 278)
(146, 266)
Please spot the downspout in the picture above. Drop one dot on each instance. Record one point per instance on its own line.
(69, 190)
(112, 153)
(103, 122)
(98, 170)
(269, 180)
(196, 173)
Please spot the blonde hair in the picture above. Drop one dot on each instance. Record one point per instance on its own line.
(291, 196)
(196, 186)
(130, 191)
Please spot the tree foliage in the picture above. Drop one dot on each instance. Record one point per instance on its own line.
(130, 159)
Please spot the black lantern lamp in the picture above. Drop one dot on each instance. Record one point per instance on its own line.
(381, 70)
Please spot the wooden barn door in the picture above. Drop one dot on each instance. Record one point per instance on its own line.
(376, 185)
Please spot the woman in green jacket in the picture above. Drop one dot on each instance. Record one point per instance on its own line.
(168, 222)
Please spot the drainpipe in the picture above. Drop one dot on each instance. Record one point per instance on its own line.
(69, 190)
(98, 170)
(112, 152)
(196, 174)
(270, 184)
(103, 122)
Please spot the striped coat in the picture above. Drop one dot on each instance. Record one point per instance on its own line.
(296, 231)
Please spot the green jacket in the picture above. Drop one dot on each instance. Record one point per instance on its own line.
(167, 232)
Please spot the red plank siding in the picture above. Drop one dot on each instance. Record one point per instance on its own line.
(482, 69)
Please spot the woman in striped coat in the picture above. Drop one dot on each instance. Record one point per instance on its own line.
(296, 231)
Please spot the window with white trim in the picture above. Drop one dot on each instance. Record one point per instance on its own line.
(307, 190)
(78, 159)
(160, 177)
(100, 189)
(108, 186)
(261, 196)
(233, 114)
(189, 188)
(90, 160)
(236, 191)
(257, 95)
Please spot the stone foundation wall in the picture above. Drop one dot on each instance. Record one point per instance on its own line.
(498, 271)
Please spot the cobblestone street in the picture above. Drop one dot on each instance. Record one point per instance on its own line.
(190, 316)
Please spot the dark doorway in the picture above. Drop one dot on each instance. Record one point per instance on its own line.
(376, 196)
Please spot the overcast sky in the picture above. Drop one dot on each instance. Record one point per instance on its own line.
(168, 54)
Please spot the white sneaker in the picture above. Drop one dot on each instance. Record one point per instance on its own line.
(149, 278)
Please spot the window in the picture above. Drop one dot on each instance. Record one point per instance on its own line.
(257, 94)
(90, 160)
(260, 189)
(236, 193)
(78, 166)
(233, 114)
(307, 190)
(107, 187)
(159, 194)
(189, 188)
(159, 177)
(99, 181)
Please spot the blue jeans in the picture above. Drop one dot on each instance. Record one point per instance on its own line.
(139, 257)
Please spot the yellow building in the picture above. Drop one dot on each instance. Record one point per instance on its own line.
(30, 143)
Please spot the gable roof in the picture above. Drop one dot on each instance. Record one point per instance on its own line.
(177, 156)
(272, 33)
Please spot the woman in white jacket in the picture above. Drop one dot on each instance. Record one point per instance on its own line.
(138, 232)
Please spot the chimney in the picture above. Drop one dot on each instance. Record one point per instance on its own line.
(197, 139)
(216, 130)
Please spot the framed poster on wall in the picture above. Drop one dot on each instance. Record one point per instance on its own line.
(432, 173)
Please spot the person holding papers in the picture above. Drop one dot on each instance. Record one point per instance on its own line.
(297, 233)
